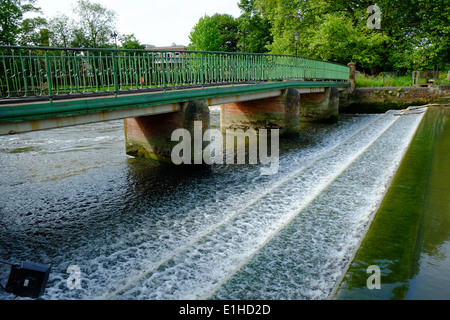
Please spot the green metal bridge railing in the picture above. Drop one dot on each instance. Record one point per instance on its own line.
(66, 72)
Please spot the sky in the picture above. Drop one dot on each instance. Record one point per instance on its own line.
(154, 22)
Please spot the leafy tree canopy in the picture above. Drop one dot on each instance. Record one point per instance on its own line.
(413, 34)
(222, 32)
(258, 26)
(11, 19)
(205, 36)
(95, 25)
(129, 41)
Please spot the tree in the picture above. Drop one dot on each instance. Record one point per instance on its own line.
(430, 43)
(205, 36)
(96, 23)
(129, 41)
(413, 32)
(34, 32)
(61, 31)
(228, 28)
(258, 26)
(11, 18)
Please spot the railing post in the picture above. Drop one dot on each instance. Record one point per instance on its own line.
(24, 72)
(6, 77)
(203, 70)
(75, 75)
(116, 74)
(49, 76)
(164, 70)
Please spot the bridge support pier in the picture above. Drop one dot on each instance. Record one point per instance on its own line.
(280, 112)
(284, 112)
(320, 107)
(149, 137)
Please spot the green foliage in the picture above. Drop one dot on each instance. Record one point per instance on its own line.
(95, 25)
(129, 41)
(61, 31)
(11, 19)
(91, 30)
(223, 32)
(363, 80)
(228, 29)
(258, 37)
(205, 36)
(414, 34)
(34, 32)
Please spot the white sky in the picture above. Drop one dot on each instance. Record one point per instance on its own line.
(156, 22)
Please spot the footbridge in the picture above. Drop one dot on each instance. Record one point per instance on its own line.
(156, 92)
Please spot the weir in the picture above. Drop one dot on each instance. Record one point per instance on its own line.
(224, 233)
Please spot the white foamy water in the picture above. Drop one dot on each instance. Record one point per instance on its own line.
(140, 233)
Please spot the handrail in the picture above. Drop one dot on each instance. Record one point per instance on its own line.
(27, 71)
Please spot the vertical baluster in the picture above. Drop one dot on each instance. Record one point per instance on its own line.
(140, 68)
(24, 74)
(122, 71)
(95, 73)
(5, 70)
(116, 74)
(176, 68)
(64, 72)
(31, 75)
(202, 70)
(76, 73)
(88, 72)
(110, 71)
(49, 76)
(70, 71)
(148, 74)
(59, 89)
(135, 70)
(183, 68)
(104, 71)
(15, 75)
(164, 70)
(129, 78)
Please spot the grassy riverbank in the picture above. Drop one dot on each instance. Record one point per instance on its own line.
(389, 80)
(411, 224)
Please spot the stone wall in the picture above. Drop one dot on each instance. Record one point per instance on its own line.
(367, 100)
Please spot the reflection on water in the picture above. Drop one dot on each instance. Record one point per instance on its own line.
(140, 230)
(409, 238)
(432, 279)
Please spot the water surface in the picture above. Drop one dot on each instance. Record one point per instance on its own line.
(139, 230)
(410, 236)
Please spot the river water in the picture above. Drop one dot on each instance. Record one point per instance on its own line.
(139, 230)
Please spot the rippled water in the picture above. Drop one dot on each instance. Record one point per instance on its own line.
(138, 230)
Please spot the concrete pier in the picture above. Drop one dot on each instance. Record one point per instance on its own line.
(150, 136)
(282, 112)
(320, 107)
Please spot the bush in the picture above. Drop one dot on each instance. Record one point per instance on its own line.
(382, 80)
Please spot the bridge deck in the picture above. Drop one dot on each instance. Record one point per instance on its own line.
(65, 85)
(23, 117)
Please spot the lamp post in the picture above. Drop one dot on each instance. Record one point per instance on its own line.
(243, 32)
(114, 35)
(296, 41)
